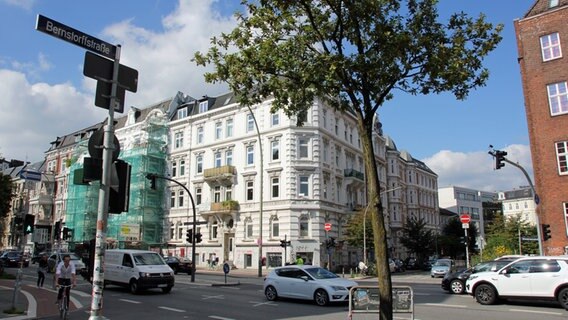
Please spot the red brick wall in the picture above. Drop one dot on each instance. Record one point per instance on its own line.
(544, 129)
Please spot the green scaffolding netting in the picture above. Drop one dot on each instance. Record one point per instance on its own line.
(143, 225)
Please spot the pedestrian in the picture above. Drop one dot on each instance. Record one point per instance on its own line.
(41, 270)
(299, 261)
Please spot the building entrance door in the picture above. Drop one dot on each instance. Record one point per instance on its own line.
(228, 247)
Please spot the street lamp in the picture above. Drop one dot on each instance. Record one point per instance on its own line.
(365, 224)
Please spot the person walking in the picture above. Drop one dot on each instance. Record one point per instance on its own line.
(41, 270)
(65, 277)
(299, 261)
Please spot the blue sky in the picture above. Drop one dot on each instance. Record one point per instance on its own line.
(45, 95)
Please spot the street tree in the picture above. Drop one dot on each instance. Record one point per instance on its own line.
(452, 241)
(505, 236)
(354, 232)
(354, 55)
(417, 238)
(5, 201)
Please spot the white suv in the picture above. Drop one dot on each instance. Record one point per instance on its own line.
(529, 277)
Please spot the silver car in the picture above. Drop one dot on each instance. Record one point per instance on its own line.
(441, 267)
(306, 282)
(55, 258)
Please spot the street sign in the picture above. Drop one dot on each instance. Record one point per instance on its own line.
(465, 225)
(327, 227)
(103, 93)
(74, 36)
(98, 68)
(30, 175)
(464, 218)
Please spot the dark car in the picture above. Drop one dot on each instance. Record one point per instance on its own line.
(179, 264)
(454, 282)
(13, 259)
(37, 257)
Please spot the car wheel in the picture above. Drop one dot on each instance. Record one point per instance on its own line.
(563, 298)
(134, 287)
(167, 289)
(456, 286)
(270, 293)
(485, 294)
(321, 297)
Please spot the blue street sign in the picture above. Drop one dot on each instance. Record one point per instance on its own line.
(30, 175)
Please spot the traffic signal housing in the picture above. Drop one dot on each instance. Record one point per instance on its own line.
(499, 159)
(67, 233)
(198, 237)
(152, 178)
(189, 235)
(546, 232)
(29, 221)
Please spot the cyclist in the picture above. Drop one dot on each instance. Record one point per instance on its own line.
(65, 276)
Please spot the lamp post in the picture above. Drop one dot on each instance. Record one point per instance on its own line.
(261, 193)
(365, 224)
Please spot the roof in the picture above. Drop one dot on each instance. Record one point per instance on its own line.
(541, 6)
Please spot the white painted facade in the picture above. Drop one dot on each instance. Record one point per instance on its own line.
(519, 203)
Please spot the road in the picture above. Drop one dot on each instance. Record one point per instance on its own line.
(201, 300)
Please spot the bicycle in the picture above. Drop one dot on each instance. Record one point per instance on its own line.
(64, 303)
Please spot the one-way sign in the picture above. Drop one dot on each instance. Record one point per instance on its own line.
(30, 175)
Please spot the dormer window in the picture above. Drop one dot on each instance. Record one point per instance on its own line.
(552, 3)
(203, 106)
(182, 113)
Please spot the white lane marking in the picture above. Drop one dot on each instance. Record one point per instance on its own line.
(76, 302)
(171, 309)
(220, 297)
(539, 312)
(130, 301)
(220, 318)
(444, 305)
(268, 303)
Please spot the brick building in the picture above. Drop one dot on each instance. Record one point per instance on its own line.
(542, 36)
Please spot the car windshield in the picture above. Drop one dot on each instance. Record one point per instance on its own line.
(321, 273)
(442, 263)
(147, 259)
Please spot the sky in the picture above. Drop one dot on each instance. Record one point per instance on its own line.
(45, 95)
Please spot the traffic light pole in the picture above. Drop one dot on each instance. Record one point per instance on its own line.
(536, 198)
(104, 191)
(149, 176)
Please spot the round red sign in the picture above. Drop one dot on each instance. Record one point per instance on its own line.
(464, 218)
(327, 227)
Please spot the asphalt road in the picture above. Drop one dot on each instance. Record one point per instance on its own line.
(201, 300)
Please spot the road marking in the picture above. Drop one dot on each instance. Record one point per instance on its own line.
(268, 303)
(171, 309)
(444, 305)
(539, 312)
(221, 297)
(131, 301)
(220, 318)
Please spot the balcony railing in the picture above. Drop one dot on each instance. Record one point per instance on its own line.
(219, 173)
(352, 173)
(228, 205)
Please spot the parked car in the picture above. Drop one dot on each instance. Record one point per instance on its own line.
(179, 264)
(399, 265)
(454, 282)
(306, 282)
(14, 258)
(532, 278)
(55, 258)
(411, 263)
(441, 267)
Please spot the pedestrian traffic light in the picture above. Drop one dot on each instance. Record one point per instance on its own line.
(119, 195)
(332, 242)
(283, 243)
(57, 230)
(546, 232)
(189, 235)
(29, 221)
(499, 158)
(198, 237)
(67, 233)
(152, 178)
(18, 223)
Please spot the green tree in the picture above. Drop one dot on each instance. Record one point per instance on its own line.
(503, 238)
(354, 232)
(5, 200)
(453, 237)
(417, 239)
(353, 55)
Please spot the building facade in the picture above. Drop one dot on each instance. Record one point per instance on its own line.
(542, 41)
(519, 203)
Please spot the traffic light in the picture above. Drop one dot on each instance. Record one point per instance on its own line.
(152, 178)
(283, 243)
(189, 235)
(546, 232)
(67, 233)
(18, 223)
(332, 242)
(499, 158)
(57, 230)
(119, 194)
(29, 222)
(198, 237)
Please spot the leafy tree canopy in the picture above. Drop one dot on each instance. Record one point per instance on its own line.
(417, 238)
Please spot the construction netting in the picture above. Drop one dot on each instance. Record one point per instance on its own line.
(145, 149)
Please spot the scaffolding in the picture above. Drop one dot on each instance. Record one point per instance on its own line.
(143, 225)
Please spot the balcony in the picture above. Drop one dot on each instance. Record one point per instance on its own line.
(226, 207)
(221, 175)
(354, 177)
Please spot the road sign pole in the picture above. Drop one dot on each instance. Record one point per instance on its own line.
(102, 214)
(466, 249)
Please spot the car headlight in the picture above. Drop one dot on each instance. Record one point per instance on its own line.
(339, 288)
(144, 274)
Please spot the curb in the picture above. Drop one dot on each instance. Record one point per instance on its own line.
(229, 284)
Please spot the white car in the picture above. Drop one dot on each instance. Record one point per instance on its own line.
(530, 277)
(308, 283)
(55, 258)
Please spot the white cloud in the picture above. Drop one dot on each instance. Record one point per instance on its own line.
(24, 4)
(476, 169)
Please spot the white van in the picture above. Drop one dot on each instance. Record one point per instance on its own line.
(137, 269)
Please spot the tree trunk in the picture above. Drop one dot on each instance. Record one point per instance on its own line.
(377, 218)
